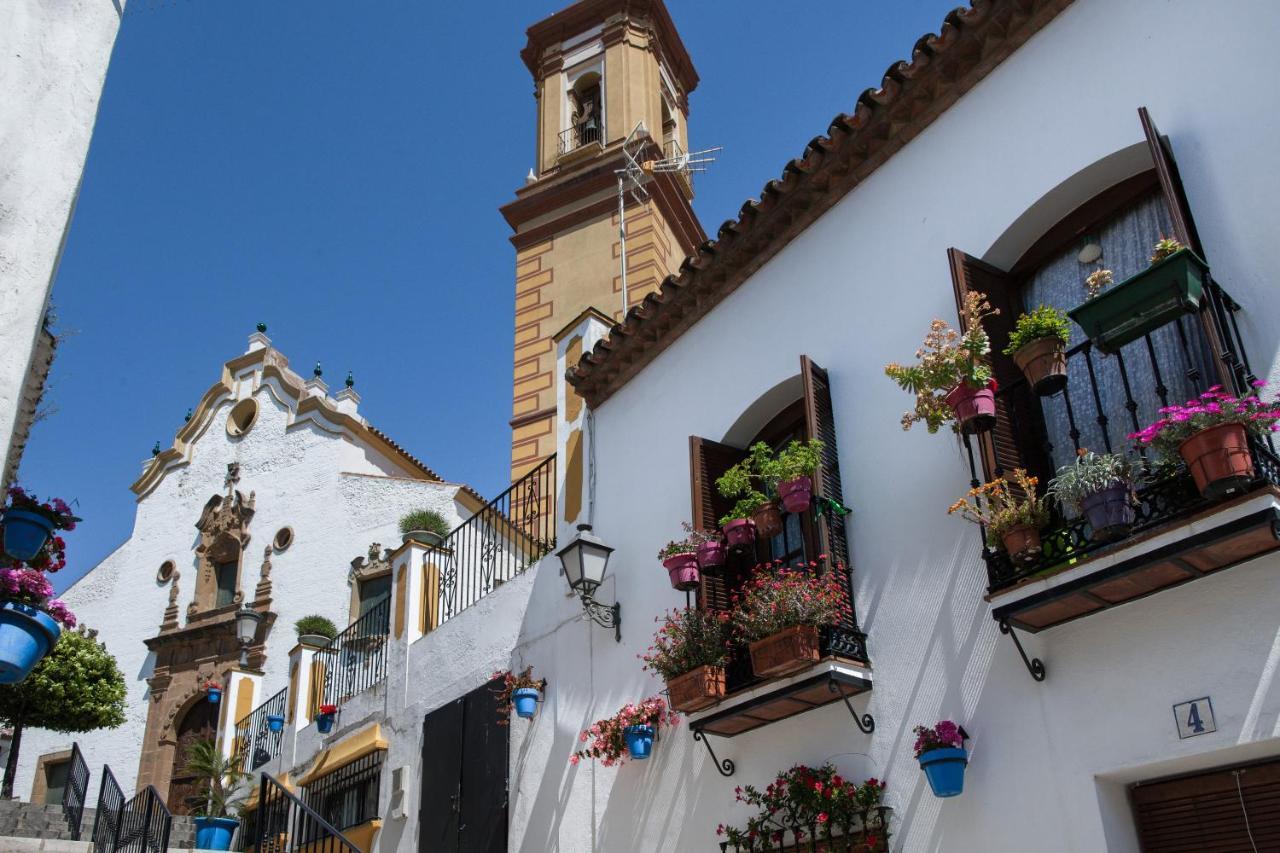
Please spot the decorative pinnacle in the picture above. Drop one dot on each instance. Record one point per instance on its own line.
(262, 328)
(188, 417)
(351, 380)
(155, 450)
(316, 371)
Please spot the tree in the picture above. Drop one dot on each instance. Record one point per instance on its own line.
(221, 780)
(76, 687)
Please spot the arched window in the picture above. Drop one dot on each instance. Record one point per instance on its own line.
(224, 559)
(586, 110)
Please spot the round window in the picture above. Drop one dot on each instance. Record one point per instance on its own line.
(166, 571)
(284, 538)
(242, 416)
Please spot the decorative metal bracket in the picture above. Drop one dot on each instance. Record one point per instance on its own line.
(725, 766)
(1034, 665)
(605, 615)
(866, 723)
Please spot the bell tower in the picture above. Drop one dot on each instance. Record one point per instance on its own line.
(600, 69)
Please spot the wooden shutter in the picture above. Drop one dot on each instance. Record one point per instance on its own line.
(1208, 812)
(819, 423)
(482, 824)
(707, 461)
(438, 812)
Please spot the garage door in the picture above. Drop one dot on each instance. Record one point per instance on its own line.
(1232, 810)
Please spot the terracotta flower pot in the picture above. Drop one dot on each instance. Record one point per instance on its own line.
(1109, 513)
(768, 519)
(1022, 543)
(796, 494)
(790, 650)
(682, 569)
(1044, 363)
(712, 554)
(740, 533)
(975, 408)
(1219, 459)
(697, 689)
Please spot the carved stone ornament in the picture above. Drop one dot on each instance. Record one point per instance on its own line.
(224, 533)
(377, 563)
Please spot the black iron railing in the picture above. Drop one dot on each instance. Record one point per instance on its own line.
(74, 794)
(868, 832)
(106, 821)
(356, 659)
(511, 533)
(256, 743)
(144, 824)
(348, 796)
(577, 136)
(282, 823)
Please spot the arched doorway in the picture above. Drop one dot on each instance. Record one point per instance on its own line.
(199, 723)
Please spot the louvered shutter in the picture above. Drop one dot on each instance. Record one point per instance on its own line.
(708, 460)
(819, 422)
(1208, 812)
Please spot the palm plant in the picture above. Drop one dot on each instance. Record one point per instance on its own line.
(220, 781)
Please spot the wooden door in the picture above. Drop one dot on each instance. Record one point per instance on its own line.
(441, 779)
(199, 723)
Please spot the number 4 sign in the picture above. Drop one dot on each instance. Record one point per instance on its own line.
(1195, 717)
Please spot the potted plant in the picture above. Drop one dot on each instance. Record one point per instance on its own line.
(746, 481)
(1038, 345)
(711, 553)
(627, 734)
(814, 804)
(1102, 489)
(1011, 512)
(213, 691)
(1211, 435)
(952, 380)
(780, 609)
(424, 525)
(680, 559)
(29, 522)
(520, 692)
(31, 621)
(275, 722)
(315, 630)
(1173, 285)
(325, 718)
(219, 794)
(793, 471)
(689, 652)
(943, 758)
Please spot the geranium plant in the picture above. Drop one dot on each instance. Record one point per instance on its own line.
(511, 682)
(1215, 407)
(605, 737)
(814, 803)
(328, 710)
(54, 509)
(944, 735)
(1004, 504)
(31, 587)
(1042, 322)
(678, 546)
(946, 359)
(779, 597)
(689, 638)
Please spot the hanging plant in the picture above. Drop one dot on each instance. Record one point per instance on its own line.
(28, 525)
(814, 804)
(31, 621)
(942, 756)
(519, 692)
(627, 734)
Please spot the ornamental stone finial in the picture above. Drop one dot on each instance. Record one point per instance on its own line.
(262, 328)
(351, 380)
(155, 449)
(316, 371)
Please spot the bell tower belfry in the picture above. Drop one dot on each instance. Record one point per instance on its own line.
(600, 69)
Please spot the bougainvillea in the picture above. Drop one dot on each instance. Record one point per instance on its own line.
(945, 735)
(607, 743)
(780, 596)
(689, 638)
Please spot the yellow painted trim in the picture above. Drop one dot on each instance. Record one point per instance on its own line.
(402, 576)
(361, 836)
(344, 752)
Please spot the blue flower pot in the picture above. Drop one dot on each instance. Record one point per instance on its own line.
(639, 741)
(275, 722)
(324, 723)
(944, 768)
(26, 635)
(213, 694)
(25, 533)
(526, 700)
(214, 833)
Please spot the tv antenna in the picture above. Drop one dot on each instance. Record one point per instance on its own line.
(635, 173)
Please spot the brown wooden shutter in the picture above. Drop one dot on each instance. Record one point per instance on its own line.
(708, 460)
(1208, 812)
(820, 423)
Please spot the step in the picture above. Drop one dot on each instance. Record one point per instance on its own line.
(10, 844)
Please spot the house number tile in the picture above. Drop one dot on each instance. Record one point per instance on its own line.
(1195, 717)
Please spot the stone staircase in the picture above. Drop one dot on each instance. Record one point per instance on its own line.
(32, 827)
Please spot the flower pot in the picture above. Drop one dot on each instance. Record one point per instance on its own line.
(1219, 459)
(275, 722)
(712, 554)
(1044, 363)
(425, 537)
(768, 520)
(975, 408)
(1144, 302)
(639, 741)
(525, 700)
(944, 768)
(213, 694)
(324, 723)
(1022, 543)
(214, 833)
(697, 689)
(790, 650)
(740, 533)
(25, 533)
(1109, 512)
(318, 641)
(26, 635)
(682, 569)
(796, 494)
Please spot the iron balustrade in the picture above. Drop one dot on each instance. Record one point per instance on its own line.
(356, 659)
(869, 833)
(348, 796)
(1207, 351)
(73, 795)
(106, 821)
(255, 742)
(500, 542)
(577, 136)
(282, 823)
(142, 824)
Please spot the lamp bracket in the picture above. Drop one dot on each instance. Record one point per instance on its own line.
(604, 615)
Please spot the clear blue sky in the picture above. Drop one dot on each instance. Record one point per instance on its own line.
(334, 169)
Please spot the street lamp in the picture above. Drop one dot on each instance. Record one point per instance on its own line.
(247, 620)
(585, 560)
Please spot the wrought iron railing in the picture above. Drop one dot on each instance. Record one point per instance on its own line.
(74, 794)
(282, 823)
(256, 743)
(356, 659)
(867, 832)
(143, 825)
(348, 796)
(511, 533)
(106, 821)
(577, 136)
(1207, 350)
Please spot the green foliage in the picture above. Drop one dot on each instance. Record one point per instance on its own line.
(1163, 248)
(688, 639)
(756, 477)
(1090, 474)
(220, 782)
(1043, 322)
(797, 459)
(316, 624)
(77, 687)
(425, 519)
(745, 507)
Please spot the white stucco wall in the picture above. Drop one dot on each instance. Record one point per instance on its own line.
(53, 62)
(854, 292)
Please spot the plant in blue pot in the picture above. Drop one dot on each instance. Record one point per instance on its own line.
(275, 722)
(942, 756)
(520, 692)
(29, 524)
(31, 621)
(324, 719)
(220, 793)
(213, 691)
(627, 734)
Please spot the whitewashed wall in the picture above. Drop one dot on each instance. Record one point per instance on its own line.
(856, 291)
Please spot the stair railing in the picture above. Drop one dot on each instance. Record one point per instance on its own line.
(282, 823)
(74, 794)
(106, 822)
(145, 824)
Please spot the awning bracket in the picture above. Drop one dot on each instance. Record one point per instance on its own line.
(1035, 666)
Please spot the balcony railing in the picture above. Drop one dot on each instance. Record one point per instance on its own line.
(255, 741)
(577, 136)
(348, 796)
(356, 659)
(282, 823)
(511, 533)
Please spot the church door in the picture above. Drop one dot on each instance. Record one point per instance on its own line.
(200, 723)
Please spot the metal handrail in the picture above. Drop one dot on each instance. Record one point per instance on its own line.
(578, 135)
(74, 795)
(145, 824)
(106, 821)
(282, 823)
(254, 739)
(356, 659)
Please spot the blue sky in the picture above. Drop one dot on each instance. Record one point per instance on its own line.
(335, 169)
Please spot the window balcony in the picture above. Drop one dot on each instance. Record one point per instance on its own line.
(579, 136)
